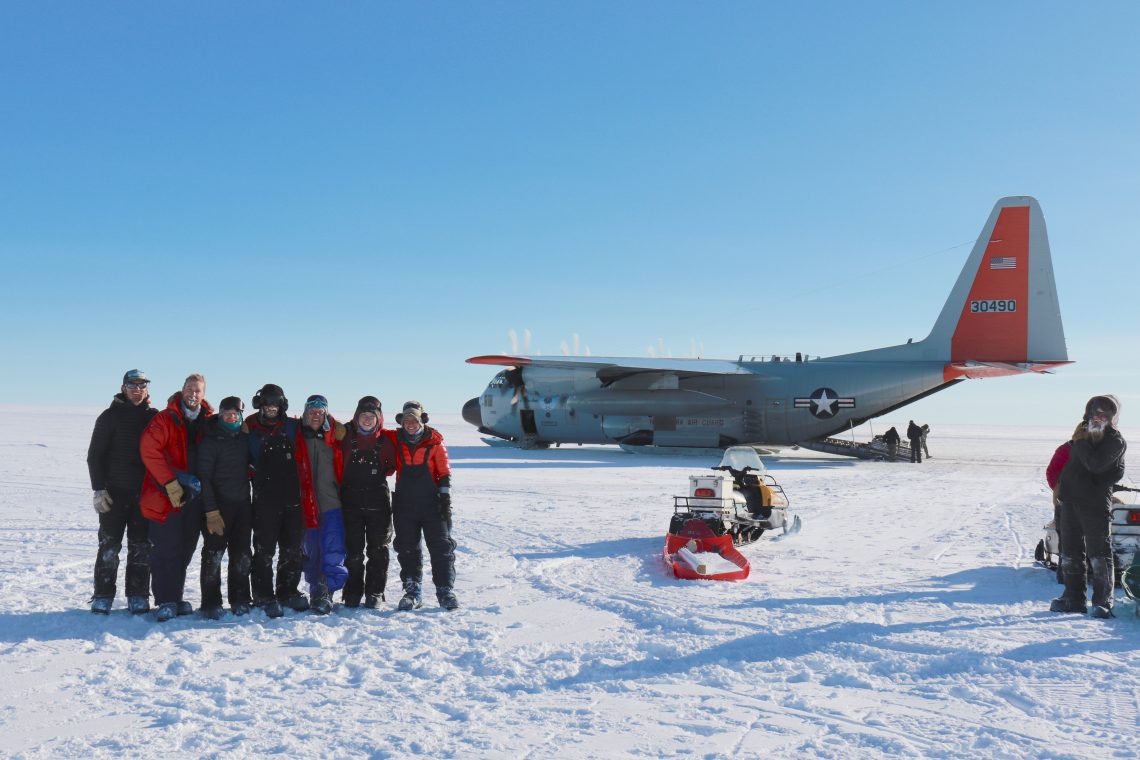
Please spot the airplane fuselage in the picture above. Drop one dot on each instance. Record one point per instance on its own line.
(773, 403)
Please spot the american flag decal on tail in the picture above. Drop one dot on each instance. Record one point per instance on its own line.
(1003, 262)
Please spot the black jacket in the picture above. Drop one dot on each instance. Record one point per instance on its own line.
(113, 457)
(1092, 470)
(914, 433)
(223, 466)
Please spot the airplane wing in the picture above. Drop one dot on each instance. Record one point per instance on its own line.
(610, 368)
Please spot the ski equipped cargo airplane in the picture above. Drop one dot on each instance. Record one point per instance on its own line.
(1002, 318)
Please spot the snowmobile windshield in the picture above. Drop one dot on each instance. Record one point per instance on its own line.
(739, 457)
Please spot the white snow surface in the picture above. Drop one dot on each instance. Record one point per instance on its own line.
(907, 619)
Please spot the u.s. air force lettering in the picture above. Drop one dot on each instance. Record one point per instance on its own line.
(824, 403)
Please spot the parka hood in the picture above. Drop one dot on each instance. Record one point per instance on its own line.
(1109, 403)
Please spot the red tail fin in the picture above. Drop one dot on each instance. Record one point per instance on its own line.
(994, 322)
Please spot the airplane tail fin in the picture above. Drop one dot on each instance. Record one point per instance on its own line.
(1002, 316)
(1003, 310)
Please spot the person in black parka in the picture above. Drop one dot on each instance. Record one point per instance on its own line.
(278, 526)
(223, 468)
(892, 439)
(914, 435)
(117, 474)
(369, 458)
(1096, 463)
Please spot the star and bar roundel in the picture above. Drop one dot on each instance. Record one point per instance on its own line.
(824, 403)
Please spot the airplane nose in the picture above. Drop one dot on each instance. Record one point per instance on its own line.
(472, 414)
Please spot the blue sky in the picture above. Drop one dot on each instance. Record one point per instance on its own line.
(352, 198)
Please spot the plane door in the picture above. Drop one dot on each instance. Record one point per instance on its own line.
(775, 413)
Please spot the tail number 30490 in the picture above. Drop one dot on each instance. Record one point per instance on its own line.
(999, 306)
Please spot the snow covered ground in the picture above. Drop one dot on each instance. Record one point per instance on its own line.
(906, 620)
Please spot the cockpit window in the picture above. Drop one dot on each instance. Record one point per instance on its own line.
(500, 380)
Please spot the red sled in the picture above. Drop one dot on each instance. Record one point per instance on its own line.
(695, 552)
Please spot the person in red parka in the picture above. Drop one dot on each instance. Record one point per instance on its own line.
(170, 493)
(422, 506)
(1053, 479)
(1060, 458)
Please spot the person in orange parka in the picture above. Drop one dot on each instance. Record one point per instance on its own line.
(170, 492)
(422, 506)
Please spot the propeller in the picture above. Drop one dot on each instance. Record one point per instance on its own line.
(513, 336)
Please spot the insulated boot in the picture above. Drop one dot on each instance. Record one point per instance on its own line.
(1076, 583)
(1098, 611)
(138, 604)
(296, 602)
(239, 608)
(167, 611)
(350, 601)
(273, 609)
(212, 613)
(446, 598)
(320, 600)
(1065, 604)
(1102, 582)
(411, 599)
(101, 605)
(372, 601)
(184, 609)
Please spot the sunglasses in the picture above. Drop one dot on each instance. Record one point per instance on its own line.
(137, 386)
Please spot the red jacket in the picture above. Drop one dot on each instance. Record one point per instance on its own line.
(437, 462)
(1057, 463)
(163, 452)
(332, 437)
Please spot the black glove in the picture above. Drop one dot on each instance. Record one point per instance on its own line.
(445, 505)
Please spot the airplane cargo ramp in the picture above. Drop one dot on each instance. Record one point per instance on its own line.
(875, 449)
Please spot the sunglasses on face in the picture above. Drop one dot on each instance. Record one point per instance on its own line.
(137, 386)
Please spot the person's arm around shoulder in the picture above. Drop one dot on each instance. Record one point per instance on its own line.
(387, 446)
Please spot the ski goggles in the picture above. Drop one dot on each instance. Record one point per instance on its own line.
(316, 401)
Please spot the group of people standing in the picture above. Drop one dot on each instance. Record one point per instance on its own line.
(1082, 474)
(916, 434)
(311, 491)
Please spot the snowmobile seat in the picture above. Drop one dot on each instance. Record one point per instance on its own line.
(757, 495)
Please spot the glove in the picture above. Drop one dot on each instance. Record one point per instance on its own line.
(214, 523)
(445, 505)
(102, 502)
(175, 493)
(1082, 431)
